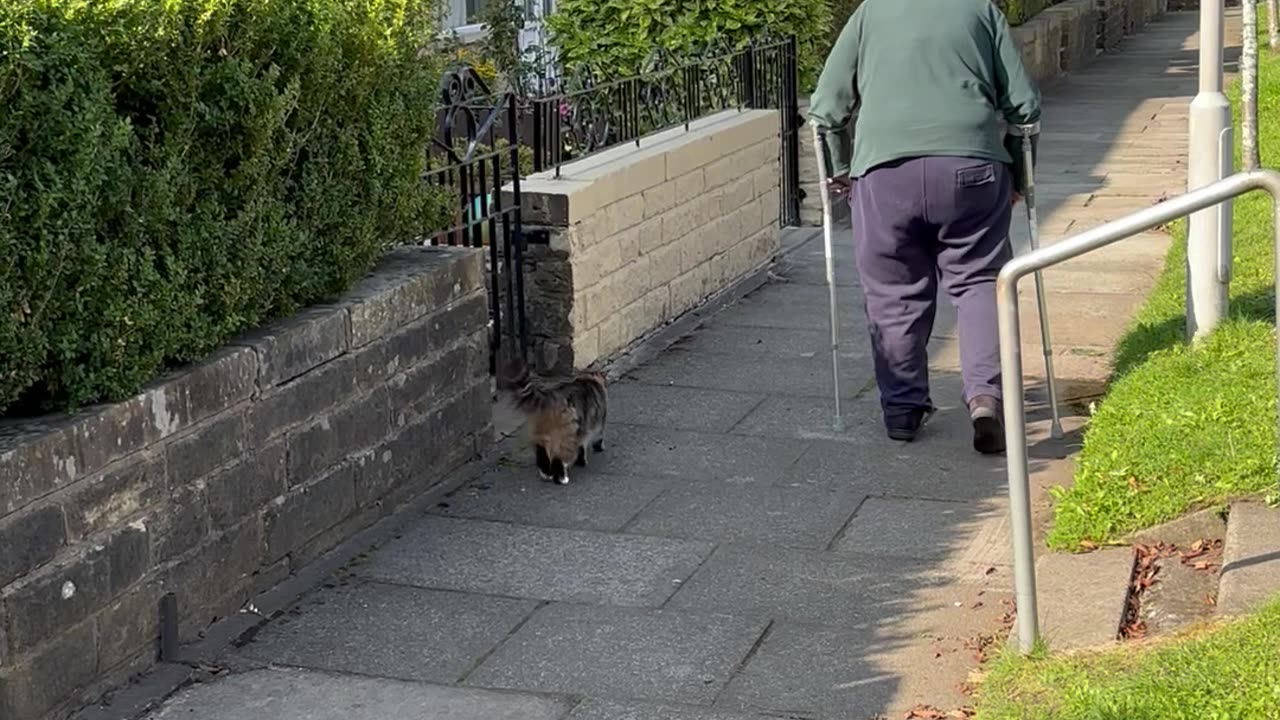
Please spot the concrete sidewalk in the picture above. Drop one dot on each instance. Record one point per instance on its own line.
(729, 556)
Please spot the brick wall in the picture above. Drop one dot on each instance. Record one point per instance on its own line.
(219, 480)
(638, 236)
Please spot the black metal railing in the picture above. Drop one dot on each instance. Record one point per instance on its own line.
(475, 159)
(591, 115)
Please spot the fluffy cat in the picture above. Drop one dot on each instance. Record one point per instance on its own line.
(565, 416)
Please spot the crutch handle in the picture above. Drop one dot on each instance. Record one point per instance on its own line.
(1015, 143)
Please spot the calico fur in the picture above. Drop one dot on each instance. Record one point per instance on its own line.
(565, 416)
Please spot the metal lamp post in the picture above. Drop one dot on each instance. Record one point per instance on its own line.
(1209, 159)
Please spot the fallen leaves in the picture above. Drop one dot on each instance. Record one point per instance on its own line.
(1202, 555)
(929, 712)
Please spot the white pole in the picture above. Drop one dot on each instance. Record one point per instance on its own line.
(1209, 231)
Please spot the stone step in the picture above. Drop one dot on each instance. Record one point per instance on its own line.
(1250, 558)
(1076, 613)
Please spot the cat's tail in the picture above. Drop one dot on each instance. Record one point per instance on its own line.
(518, 384)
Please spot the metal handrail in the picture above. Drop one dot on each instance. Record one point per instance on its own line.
(1011, 351)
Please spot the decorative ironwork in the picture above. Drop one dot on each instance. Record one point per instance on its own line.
(475, 160)
(592, 114)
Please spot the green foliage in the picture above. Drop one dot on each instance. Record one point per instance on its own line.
(173, 172)
(1230, 672)
(1020, 11)
(615, 37)
(841, 11)
(1186, 427)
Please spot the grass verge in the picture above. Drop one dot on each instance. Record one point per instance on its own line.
(1182, 428)
(1216, 673)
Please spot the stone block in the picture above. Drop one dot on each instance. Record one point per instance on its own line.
(690, 288)
(181, 522)
(422, 340)
(410, 282)
(634, 242)
(215, 580)
(129, 627)
(698, 151)
(108, 499)
(356, 426)
(390, 631)
(690, 185)
(30, 539)
(609, 336)
(596, 262)
(618, 216)
(673, 657)
(36, 459)
(1075, 615)
(208, 447)
(699, 246)
(765, 178)
(541, 563)
(291, 346)
(1250, 558)
(67, 663)
(664, 263)
(689, 216)
(214, 385)
(421, 388)
(659, 199)
(68, 591)
(238, 492)
(558, 202)
(729, 168)
(292, 520)
(739, 192)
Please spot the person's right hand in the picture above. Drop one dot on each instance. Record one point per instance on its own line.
(1017, 198)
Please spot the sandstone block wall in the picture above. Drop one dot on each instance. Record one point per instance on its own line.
(220, 479)
(638, 236)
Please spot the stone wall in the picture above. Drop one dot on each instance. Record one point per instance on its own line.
(1064, 38)
(217, 481)
(638, 236)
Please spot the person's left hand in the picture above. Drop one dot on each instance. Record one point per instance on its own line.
(1017, 198)
(839, 186)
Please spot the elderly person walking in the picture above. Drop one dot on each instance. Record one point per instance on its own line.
(931, 187)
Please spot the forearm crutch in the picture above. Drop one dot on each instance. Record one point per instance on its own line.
(1028, 135)
(819, 149)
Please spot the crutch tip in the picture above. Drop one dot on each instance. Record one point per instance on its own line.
(838, 425)
(1055, 430)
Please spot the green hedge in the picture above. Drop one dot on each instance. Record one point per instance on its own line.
(615, 37)
(176, 171)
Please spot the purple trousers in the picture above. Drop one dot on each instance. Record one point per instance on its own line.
(917, 222)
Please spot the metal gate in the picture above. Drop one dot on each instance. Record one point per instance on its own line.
(475, 158)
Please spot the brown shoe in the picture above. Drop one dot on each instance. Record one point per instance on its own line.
(988, 425)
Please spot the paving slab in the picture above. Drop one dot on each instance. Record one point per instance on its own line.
(608, 710)
(679, 408)
(806, 586)
(594, 501)
(971, 533)
(1250, 558)
(748, 344)
(389, 631)
(286, 694)
(622, 654)
(807, 376)
(541, 563)
(1076, 614)
(722, 511)
(655, 452)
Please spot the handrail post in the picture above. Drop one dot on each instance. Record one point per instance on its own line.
(1216, 193)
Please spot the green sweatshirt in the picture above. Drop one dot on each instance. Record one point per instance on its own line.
(932, 77)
